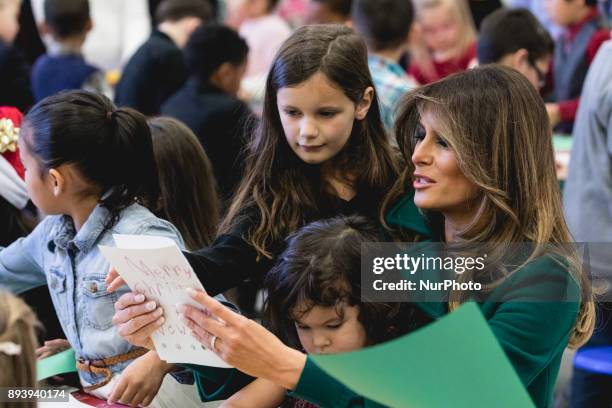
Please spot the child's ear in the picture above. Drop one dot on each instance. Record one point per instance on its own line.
(364, 105)
(228, 77)
(191, 24)
(520, 59)
(224, 70)
(89, 25)
(222, 75)
(57, 182)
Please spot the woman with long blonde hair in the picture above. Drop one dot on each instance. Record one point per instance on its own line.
(487, 133)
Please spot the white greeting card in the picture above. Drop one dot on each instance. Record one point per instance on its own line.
(155, 267)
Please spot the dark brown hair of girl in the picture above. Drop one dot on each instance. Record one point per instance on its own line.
(284, 191)
(322, 267)
(111, 148)
(188, 196)
(496, 124)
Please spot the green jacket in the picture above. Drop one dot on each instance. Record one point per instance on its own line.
(533, 335)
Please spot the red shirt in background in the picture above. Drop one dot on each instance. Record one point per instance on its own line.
(443, 69)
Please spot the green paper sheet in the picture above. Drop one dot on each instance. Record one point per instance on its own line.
(59, 363)
(454, 362)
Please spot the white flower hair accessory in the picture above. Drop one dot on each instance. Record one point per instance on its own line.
(9, 135)
(10, 349)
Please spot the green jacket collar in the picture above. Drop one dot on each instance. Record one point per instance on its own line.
(405, 214)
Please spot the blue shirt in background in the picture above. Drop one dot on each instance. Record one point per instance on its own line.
(391, 82)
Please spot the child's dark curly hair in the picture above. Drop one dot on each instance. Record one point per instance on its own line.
(321, 267)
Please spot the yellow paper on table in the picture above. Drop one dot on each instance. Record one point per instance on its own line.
(454, 362)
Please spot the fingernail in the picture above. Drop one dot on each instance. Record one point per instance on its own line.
(151, 305)
(139, 298)
(161, 320)
(183, 319)
(158, 312)
(192, 292)
(181, 308)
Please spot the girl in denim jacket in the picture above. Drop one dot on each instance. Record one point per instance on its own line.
(89, 166)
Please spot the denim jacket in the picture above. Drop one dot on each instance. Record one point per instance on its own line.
(74, 269)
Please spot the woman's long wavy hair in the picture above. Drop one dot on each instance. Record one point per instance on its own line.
(286, 192)
(496, 123)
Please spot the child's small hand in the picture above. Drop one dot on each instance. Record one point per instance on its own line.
(113, 280)
(52, 347)
(140, 381)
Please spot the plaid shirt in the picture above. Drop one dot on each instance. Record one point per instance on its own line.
(391, 82)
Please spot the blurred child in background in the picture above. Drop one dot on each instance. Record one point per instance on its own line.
(157, 70)
(582, 35)
(14, 70)
(119, 28)
(264, 33)
(63, 66)
(385, 26)
(515, 38)
(447, 39)
(216, 57)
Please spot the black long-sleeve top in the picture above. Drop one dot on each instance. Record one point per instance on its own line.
(152, 75)
(231, 259)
